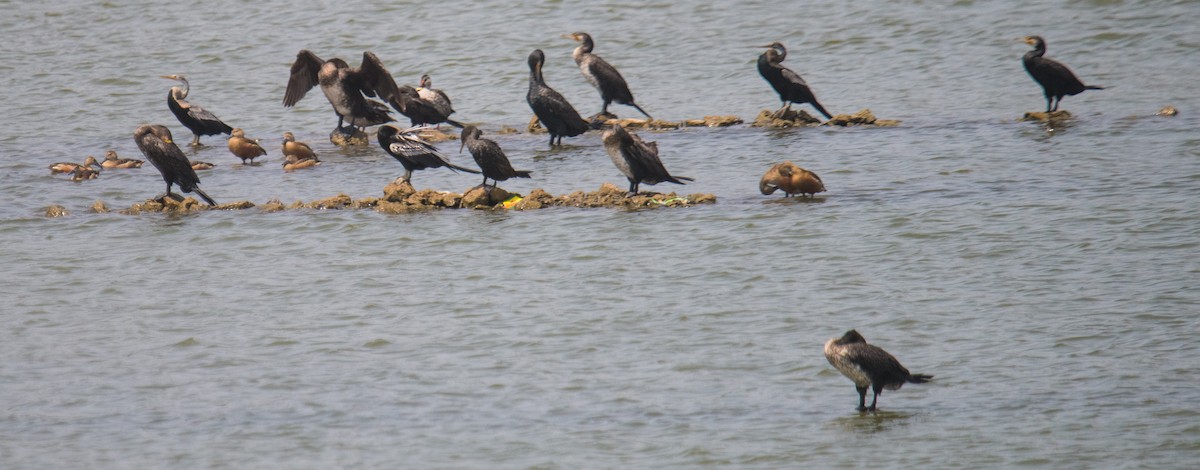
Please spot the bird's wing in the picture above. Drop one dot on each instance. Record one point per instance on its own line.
(412, 146)
(303, 77)
(373, 78)
(792, 76)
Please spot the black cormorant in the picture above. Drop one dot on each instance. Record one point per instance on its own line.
(868, 365)
(421, 112)
(637, 159)
(112, 160)
(244, 148)
(195, 118)
(789, 85)
(601, 74)
(414, 153)
(791, 179)
(435, 97)
(490, 158)
(1056, 79)
(155, 143)
(555, 113)
(346, 88)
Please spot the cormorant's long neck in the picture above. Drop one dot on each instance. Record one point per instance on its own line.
(1039, 50)
(535, 74)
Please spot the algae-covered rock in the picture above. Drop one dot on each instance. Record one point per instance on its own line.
(713, 121)
(344, 138)
(863, 117)
(784, 119)
(273, 205)
(1041, 116)
(56, 211)
(99, 207)
(337, 202)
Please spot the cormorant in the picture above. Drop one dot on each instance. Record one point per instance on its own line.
(490, 158)
(437, 98)
(791, 179)
(868, 365)
(344, 86)
(299, 149)
(411, 151)
(68, 167)
(296, 162)
(244, 148)
(789, 85)
(1055, 78)
(196, 119)
(555, 113)
(601, 74)
(637, 159)
(155, 143)
(111, 160)
(408, 101)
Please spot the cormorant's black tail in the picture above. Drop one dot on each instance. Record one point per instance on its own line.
(204, 196)
(522, 174)
(639, 108)
(454, 123)
(675, 179)
(821, 109)
(920, 378)
(1093, 87)
(459, 168)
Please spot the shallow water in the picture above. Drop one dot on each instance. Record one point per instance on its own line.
(1044, 276)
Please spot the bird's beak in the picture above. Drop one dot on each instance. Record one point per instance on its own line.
(570, 36)
(462, 145)
(168, 140)
(168, 77)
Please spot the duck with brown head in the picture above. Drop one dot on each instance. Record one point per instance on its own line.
(791, 179)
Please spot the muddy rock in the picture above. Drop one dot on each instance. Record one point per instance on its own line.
(398, 191)
(713, 121)
(99, 207)
(537, 199)
(340, 201)
(342, 138)
(505, 130)
(434, 135)
(535, 126)
(56, 211)
(1168, 111)
(235, 206)
(366, 202)
(788, 118)
(273, 205)
(484, 197)
(1041, 116)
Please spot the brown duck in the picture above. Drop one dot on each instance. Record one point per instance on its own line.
(295, 162)
(111, 160)
(68, 167)
(791, 179)
(299, 149)
(244, 148)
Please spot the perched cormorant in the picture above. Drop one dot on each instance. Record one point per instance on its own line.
(111, 160)
(490, 158)
(155, 143)
(601, 74)
(437, 98)
(637, 159)
(1055, 78)
(344, 86)
(408, 101)
(555, 113)
(296, 162)
(68, 167)
(299, 149)
(789, 85)
(868, 365)
(195, 118)
(791, 179)
(414, 153)
(244, 148)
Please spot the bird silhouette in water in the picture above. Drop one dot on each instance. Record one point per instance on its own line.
(1055, 78)
(868, 366)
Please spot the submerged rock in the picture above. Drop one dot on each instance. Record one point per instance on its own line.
(56, 211)
(1042, 116)
(342, 138)
(99, 207)
(1168, 111)
(862, 118)
(787, 118)
(484, 197)
(535, 126)
(713, 121)
(337, 202)
(273, 205)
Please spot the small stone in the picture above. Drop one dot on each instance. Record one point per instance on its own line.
(342, 138)
(99, 207)
(1046, 117)
(535, 126)
(398, 191)
(1168, 111)
(56, 211)
(484, 196)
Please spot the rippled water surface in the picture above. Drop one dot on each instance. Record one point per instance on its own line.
(1046, 276)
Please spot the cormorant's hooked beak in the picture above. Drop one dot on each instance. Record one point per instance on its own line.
(169, 77)
(571, 37)
(461, 145)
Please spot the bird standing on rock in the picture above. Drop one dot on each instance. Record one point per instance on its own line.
(554, 112)
(789, 85)
(299, 149)
(196, 119)
(490, 158)
(637, 160)
(346, 88)
(244, 148)
(868, 366)
(156, 144)
(1055, 78)
(791, 179)
(602, 75)
(413, 152)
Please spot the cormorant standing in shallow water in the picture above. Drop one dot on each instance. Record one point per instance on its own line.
(791, 179)
(244, 148)
(490, 158)
(637, 159)
(345, 87)
(868, 365)
(156, 144)
(414, 153)
(555, 113)
(601, 74)
(789, 85)
(1055, 78)
(195, 118)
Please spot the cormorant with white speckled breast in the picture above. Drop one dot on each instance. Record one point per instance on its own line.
(868, 366)
(601, 74)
